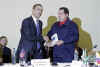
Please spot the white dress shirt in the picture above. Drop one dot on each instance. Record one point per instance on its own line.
(35, 20)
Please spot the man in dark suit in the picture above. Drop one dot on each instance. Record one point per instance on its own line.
(31, 35)
(6, 52)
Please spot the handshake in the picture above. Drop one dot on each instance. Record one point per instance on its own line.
(52, 42)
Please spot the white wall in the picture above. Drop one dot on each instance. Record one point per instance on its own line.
(12, 12)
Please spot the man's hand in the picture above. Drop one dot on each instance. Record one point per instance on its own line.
(59, 42)
(46, 38)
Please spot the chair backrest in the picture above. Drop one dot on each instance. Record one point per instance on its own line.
(51, 20)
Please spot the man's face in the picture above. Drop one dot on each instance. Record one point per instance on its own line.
(61, 15)
(37, 11)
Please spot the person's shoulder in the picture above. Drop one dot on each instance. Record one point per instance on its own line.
(7, 48)
(73, 23)
(26, 20)
(56, 23)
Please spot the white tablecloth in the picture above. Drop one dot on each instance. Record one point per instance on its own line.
(46, 63)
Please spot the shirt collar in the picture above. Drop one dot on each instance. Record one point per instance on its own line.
(62, 22)
(66, 22)
(35, 19)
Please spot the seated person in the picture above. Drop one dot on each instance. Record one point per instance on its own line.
(1, 55)
(6, 52)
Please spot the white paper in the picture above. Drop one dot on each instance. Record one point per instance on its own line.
(52, 43)
(54, 39)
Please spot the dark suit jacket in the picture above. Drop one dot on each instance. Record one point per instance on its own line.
(29, 38)
(68, 32)
(6, 54)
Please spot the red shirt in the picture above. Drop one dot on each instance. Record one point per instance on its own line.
(63, 22)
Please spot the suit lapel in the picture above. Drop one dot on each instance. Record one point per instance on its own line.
(33, 26)
(40, 26)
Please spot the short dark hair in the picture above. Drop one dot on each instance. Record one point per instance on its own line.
(36, 5)
(66, 10)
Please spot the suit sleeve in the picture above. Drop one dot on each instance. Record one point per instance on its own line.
(50, 33)
(72, 36)
(25, 30)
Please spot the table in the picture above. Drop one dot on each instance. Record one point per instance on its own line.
(46, 63)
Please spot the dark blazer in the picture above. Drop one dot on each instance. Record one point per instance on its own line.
(29, 38)
(6, 54)
(68, 32)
